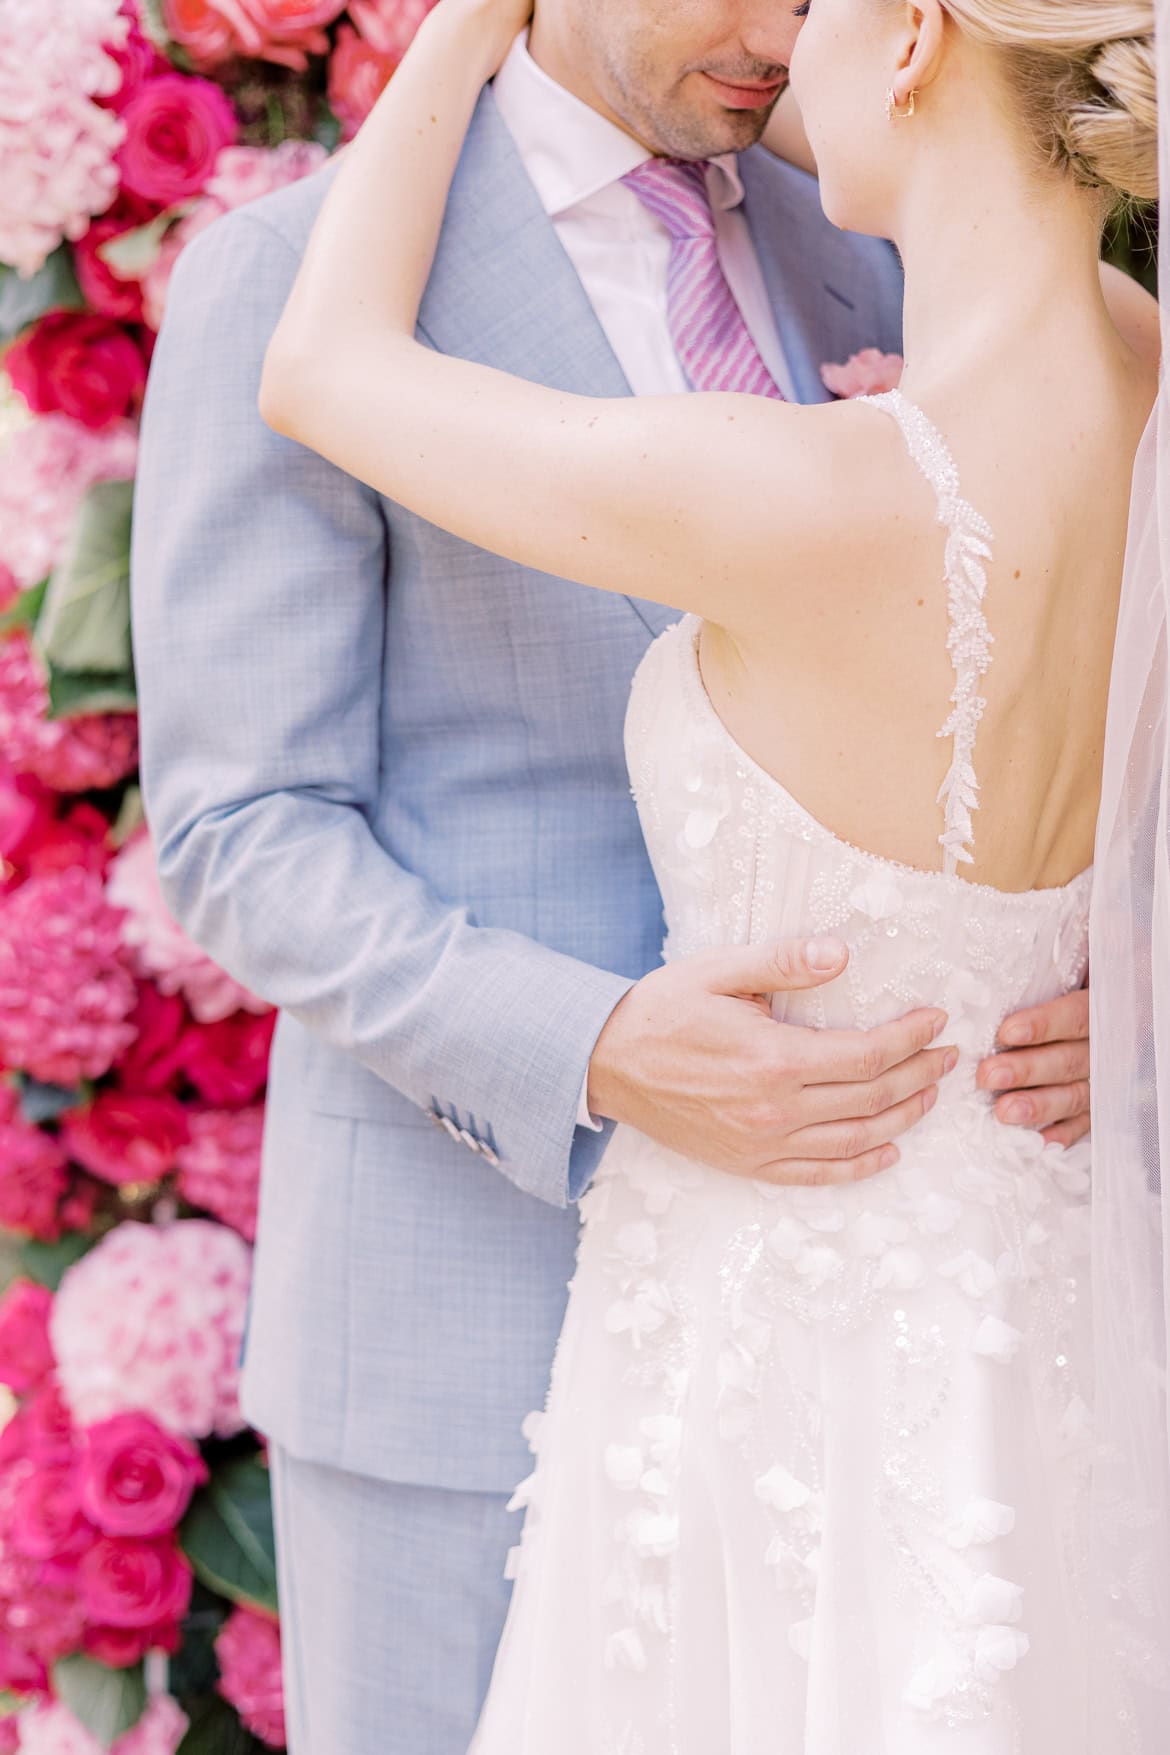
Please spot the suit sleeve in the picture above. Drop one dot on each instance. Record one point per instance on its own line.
(260, 576)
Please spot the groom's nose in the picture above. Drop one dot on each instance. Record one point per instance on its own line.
(767, 31)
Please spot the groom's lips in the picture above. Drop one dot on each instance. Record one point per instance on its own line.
(746, 94)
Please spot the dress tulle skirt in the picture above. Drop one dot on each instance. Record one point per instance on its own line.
(811, 1476)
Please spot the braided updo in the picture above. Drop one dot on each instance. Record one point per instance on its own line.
(1084, 73)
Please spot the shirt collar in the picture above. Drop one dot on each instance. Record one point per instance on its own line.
(568, 149)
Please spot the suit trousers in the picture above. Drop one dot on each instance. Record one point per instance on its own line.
(392, 1603)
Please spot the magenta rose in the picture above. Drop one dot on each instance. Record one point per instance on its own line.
(42, 1429)
(21, 1672)
(79, 364)
(106, 292)
(121, 1647)
(136, 1479)
(248, 1649)
(81, 837)
(125, 1136)
(156, 1059)
(138, 59)
(175, 130)
(130, 1583)
(47, 1519)
(26, 1354)
(227, 1062)
(33, 1175)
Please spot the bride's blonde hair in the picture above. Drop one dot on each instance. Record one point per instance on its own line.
(1084, 73)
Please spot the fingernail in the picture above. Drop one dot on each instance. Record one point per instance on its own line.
(1018, 1111)
(930, 1099)
(824, 953)
(1016, 1034)
(939, 1027)
(1000, 1078)
(889, 1158)
(950, 1060)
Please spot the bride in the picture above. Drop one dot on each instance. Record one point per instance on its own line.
(876, 1468)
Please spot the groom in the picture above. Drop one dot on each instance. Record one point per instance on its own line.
(385, 778)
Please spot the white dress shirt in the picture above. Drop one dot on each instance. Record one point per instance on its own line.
(576, 160)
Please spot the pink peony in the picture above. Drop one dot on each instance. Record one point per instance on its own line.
(176, 128)
(136, 1479)
(80, 364)
(57, 142)
(123, 1138)
(70, 755)
(156, 1058)
(158, 946)
(367, 52)
(33, 1176)
(26, 1356)
(282, 31)
(219, 1169)
(65, 991)
(227, 1062)
(868, 373)
(106, 292)
(151, 1320)
(45, 471)
(248, 1649)
(49, 1728)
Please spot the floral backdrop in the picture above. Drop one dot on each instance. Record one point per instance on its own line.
(137, 1584)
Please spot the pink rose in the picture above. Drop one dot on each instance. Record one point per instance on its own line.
(130, 1583)
(124, 1138)
(202, 28)
(81, 837)
(106, 292)
(47, 1519)
(248, 1649)
(33, 1175)
(10, 1735)
(136, 1479)
(26, 1353)
(868, 373)
(227, 1062)
(156, 1059)
(282, 31)
(365, 57)
(176, 128)
(21, 1671)
(121, 1647)
(41, 1429)
(79, 364)
(49, 1728)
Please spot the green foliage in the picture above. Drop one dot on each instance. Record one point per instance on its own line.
(227, 1535)
(22, 301)
(84, 623)
(25, 610)
(215, 1729)
(107, 1702)
(48, 1263)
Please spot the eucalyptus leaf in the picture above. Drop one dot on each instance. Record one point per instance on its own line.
(51, 288)
(75, 693)
(227, 1535)
(84, 623)
(41, 1102)
(48, 1263)
(25, 610)
(108, 1702)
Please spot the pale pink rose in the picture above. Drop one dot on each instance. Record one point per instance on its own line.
(219, 1167)
(46, 469)
(151, 1320)
(49, 1728)
(159, 1731)
(160, 949)
(868, 373)
(57, 142)
(248, 1649)
(66, 993)
(157, 279)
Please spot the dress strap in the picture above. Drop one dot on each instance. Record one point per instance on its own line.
(969, 639)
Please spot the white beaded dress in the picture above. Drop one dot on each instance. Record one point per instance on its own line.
(811, 1476)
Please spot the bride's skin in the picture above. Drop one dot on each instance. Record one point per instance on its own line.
(722, 505)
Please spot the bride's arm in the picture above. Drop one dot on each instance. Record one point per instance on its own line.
(686, 500)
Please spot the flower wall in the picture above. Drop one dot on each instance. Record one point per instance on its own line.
(137, 1584)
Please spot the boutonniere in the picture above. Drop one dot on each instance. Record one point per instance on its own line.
(868, 373)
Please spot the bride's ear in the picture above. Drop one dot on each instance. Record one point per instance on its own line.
(920, 54)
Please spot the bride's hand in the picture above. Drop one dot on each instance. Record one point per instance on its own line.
(493, 25)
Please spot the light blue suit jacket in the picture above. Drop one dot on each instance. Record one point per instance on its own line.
(385, 777)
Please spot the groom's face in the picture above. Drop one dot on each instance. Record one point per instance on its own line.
(691, 78)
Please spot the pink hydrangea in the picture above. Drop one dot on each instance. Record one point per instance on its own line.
(248, 1649)
(49, 1728)
(219, 1167)
(66, 993)
(68, 755)
(159, 948)
(151, 1320)
(46, 469)
(868, 373)
(57, 143)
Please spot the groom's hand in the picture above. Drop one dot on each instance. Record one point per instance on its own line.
(1044, 1069)
(693, 1057)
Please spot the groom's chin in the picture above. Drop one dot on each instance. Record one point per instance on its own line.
(703, 118)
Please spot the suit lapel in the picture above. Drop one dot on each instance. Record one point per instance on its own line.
(504, 293)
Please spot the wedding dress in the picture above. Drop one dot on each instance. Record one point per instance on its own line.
(811, 1479)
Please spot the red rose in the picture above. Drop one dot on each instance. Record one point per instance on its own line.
(136, 1479)
(128, 1583)
(175, 130)
(80, 837)
(80, 364)
(227, 1062)
(47, 1520)
(156, 1058)
(105, 292)
(26, 1353)
(120, 1647)
(358, 75)
(125, 1137)
(26, 811)
(32, 1174)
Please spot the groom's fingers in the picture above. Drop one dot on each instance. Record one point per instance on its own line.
(854, 1138)
(839, 1102)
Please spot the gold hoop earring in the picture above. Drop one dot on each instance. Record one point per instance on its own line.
(892, 110)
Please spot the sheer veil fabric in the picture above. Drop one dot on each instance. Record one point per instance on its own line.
(1129, 1580)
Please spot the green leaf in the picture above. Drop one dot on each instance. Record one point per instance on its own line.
(130, 816)
(52, 288)
(48, 1263)
(227, 1535)
(194, 1669)
(131, 253)
(25, 610)
(75, 693)
(108, 1702)
(328, 130)
(84, 623)
(40, 1102)
(215, 1729)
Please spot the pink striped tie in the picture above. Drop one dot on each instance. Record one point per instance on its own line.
(710, 337)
